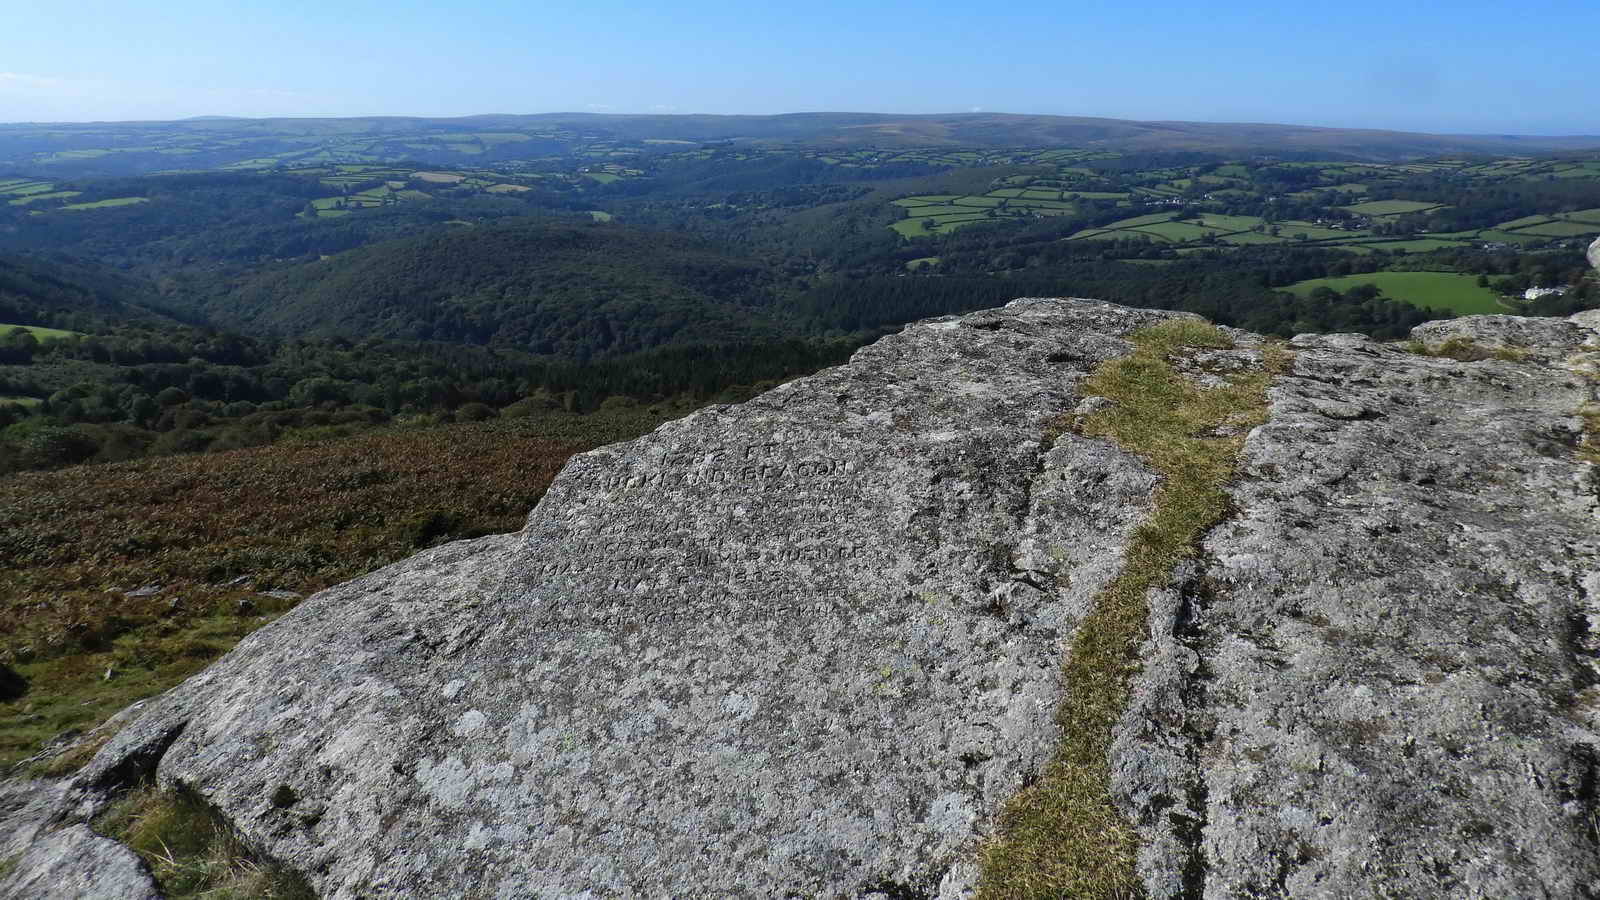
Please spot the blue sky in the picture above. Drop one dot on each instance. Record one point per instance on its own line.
(1461, 67)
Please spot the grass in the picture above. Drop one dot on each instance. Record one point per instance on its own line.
(1062, 836)
(106, 204)
(1523, 222)
(1440, 290)
(1563, 229)
(1229, 223)
(1177, 231)
(191, 852)
(39, 332)
(1464, 349)
(291, 516)
(1390, 207)
(1136, 221)
(49, 195)
(1251, 237)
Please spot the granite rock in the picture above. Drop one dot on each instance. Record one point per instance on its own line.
(1379, 676)
(806, 646)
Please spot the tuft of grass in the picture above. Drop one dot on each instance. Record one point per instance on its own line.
(191, 851)
(1589, 444)
(1063, 836)
(1464, 349)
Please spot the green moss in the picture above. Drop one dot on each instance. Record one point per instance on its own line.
(1465, 349)
(1063, 836)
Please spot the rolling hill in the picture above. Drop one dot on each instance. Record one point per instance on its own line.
(578, 291)
(136, 147)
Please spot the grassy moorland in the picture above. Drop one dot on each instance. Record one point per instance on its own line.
(121, 580)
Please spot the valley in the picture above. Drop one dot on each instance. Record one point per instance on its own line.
(186, 343)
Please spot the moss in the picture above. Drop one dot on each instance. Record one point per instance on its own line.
(1465, 349)
(1589, 444)
(1062, 836)
(192, 852)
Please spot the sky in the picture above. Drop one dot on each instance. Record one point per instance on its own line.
(1464, 67)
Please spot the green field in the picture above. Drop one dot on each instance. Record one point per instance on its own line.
(1136, 221)
(42, 334)
(1420, 245)
(1523, 222)
(1176, 231)
(106, 204)
(49, 195)
(1511, 237)
(1250, 237)
(1228, 223)
(1390, 207)
(1562, 229)
(1440, 290)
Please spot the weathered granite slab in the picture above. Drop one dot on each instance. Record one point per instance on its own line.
(801, 647)
(70, 862)
(1380, 679)
(806, 646)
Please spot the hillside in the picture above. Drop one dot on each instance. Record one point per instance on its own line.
(1058, 599)
(575, 291)
(134, 147)
(72, 294)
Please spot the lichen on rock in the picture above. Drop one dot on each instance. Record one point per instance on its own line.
(811, 645)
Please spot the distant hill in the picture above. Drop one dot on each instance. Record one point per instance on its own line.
(578, 291)
(218, 141)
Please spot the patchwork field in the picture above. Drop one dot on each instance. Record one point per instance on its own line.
(1440, 290)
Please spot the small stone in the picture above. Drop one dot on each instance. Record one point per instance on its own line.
(1088, 406)
(149, 590)
(1594, 254)
(280, 595)
(246, 607)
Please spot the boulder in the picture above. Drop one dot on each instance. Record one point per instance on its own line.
(809, 645)
(1594, 254)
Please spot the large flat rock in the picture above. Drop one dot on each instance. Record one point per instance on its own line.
(802, 646)
(807, 646)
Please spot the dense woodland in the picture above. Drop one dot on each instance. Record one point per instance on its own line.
(213, 311)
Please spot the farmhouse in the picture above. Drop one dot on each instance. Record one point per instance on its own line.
(1535, 293)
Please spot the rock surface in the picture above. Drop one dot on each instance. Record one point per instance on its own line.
(61, 863)
(806, 646)
(1594, 253)
(1382, 671)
